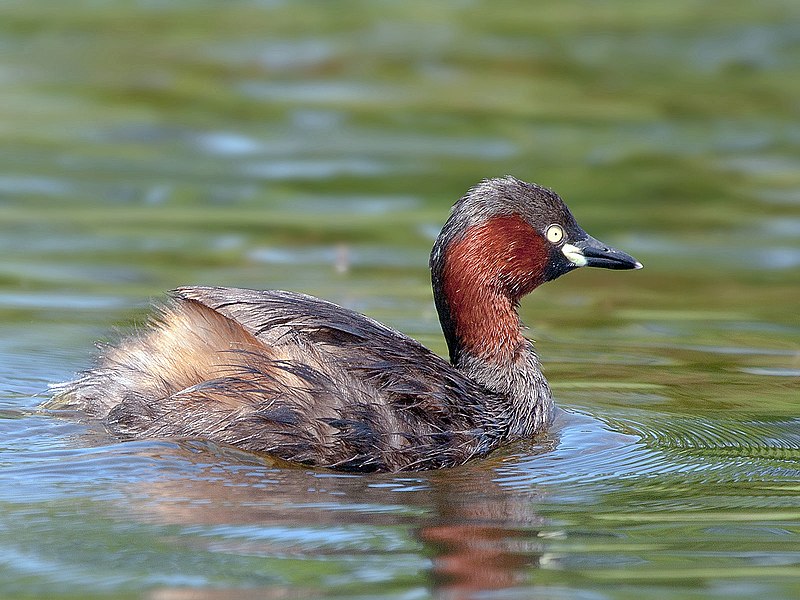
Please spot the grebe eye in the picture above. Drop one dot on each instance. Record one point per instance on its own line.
(555, 234)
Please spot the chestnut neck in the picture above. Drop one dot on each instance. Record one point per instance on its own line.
(479, 276)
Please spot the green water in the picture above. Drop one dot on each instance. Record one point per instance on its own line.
(317, 146)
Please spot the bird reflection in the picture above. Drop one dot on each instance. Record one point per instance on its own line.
(459, 531)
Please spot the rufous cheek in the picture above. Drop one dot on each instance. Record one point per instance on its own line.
(487, 271)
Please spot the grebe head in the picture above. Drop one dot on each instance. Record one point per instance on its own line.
(504, 238)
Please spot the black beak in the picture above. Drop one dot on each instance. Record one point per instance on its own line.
(594, 253)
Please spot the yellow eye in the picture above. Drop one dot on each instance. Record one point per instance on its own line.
(555, 234)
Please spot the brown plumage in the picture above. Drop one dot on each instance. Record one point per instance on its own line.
(314, 383)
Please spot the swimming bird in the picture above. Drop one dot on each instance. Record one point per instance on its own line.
(313, 383)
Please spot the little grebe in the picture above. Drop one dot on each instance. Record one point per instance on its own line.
(314, 383)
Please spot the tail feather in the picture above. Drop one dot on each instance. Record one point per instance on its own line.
(186, 344)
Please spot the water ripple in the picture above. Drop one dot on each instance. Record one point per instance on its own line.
(735, 445)
(590, 451)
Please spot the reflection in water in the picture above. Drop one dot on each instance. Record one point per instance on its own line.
(482, 546)
(475, 534)
(583, 498)
(195, 520)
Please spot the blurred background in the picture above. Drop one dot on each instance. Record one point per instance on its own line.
(317, 147)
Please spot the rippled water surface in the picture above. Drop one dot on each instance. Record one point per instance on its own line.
(317, 147)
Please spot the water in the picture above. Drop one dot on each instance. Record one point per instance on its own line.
(317, 147)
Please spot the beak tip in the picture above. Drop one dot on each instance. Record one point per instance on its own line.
(637, 266)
